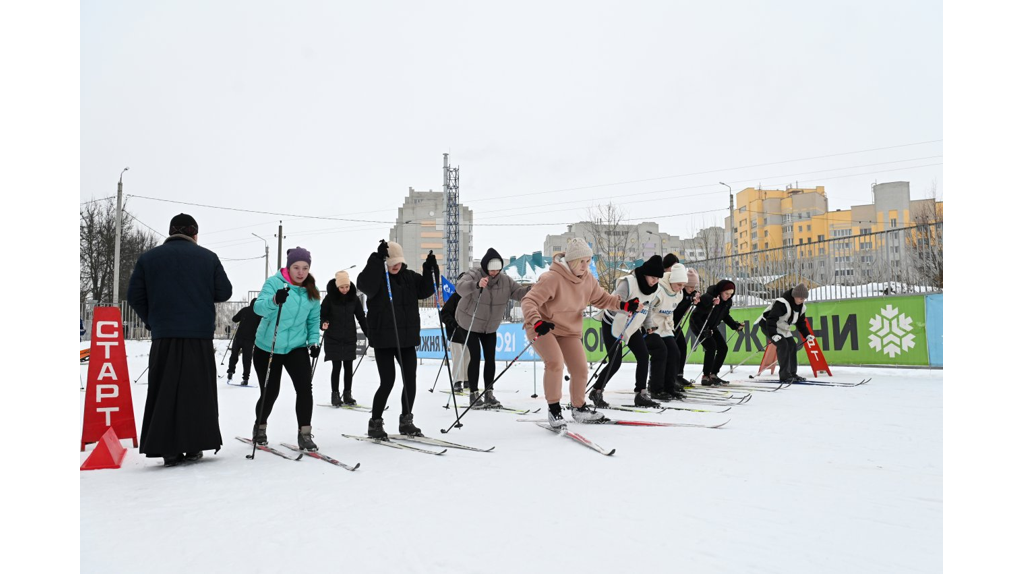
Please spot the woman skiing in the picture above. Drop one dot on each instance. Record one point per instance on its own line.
(711, 309)
(393, 327)
(691, 293)
(659, 325)
(555, 306)
(485, 291)
(286, 339)
(642, 285)
(339, 313)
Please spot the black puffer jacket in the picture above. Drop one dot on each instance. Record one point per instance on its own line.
(682, 308)
(407, 288)
(451, 327)
(341, 312)
(717, 313)
(248, 321)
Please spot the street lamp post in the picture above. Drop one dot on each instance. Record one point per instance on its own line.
(266, 257)
(732, 220)
(117, 244)
(661, 250)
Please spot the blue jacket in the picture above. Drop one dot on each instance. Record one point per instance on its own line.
(300, 317)
(174, 286)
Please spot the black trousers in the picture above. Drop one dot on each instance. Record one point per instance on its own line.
(683, 348)
(785, 352)
(671, 364)
(488, 341)
(638, 346)
(386, 359)
(299, 369)
(246, 352)
(336, 375)
(715, 350)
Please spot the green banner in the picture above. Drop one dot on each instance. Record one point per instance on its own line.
(875, 331)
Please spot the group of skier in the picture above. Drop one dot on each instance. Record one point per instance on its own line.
(282, 327)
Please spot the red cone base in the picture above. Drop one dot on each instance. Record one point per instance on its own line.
(108, 453)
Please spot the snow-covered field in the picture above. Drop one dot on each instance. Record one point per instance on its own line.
(804, 480)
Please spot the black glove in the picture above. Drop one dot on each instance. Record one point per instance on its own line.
(430, 267)
(281, 295)
(314, 351)
(382, 249)
(630, 306)
(543, 327)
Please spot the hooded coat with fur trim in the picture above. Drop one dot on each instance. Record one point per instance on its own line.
(493, 300)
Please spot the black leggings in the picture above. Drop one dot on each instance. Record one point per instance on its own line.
(386, 369)
(246, 351)
(297, 364)
(715, 350)
(638, 346)
(336, 374)
(473, 343)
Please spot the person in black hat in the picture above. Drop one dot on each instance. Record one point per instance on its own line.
(173, 289)
(640, 288)
(778, 321)
(711, 309)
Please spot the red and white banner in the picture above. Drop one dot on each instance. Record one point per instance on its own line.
(108, 393)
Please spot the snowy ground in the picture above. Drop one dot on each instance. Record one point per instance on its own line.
(807, 479)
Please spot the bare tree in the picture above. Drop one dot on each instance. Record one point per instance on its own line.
(614, 241)
(96, 230)
(923, 243)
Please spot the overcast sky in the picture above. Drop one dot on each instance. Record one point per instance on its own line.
(335, 109)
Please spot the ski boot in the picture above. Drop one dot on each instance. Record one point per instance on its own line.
(675, 394)
(597, 395)
(193, 456)
(476, 401)
(490, 401)
(406, 427)
(555, 419)
(174, 460)
(643, 399)
(719, 380)
(376, 429)
(346, 398)
(458, 387)
(229, 377)
(708, 381)
(306, 439)
(335, 399)
(587, 414)
(245, 382)
(661, 396)
(259, 434)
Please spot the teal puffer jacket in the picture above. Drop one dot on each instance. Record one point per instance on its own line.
(300, 317)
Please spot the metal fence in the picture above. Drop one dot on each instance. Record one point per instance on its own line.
(135, 329)
(893, 262)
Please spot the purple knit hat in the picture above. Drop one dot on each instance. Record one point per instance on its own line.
(298, 254)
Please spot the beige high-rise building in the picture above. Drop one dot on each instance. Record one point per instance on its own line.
(420, 228)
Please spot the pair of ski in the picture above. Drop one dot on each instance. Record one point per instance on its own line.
(313, 454)
(816, 382)
(360, 408)
(657, 411)
(390, 442)
(608, 421)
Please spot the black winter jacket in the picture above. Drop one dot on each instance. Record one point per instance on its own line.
(771, 317)
(341, 312)
(451, 327)
(717, 313)
(174, 286)
(681, 309)
(407, 287)
(248, 321)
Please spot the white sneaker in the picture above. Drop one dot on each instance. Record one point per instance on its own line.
(555, 420)
(587, 414)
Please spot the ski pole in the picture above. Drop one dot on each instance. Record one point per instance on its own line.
(444, 340)
(616, 347)
(398, 343)
(480, 395)
(316, 358)
(360, 362)
(534, 395)
(693, 349)
(228, 348)
(469, 333)
(263, 385)
(142, 373)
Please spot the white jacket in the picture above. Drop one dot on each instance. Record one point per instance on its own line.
(627, 288)
(660, 316)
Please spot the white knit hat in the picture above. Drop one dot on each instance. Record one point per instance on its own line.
(578, 249)
(678, 274)
(395, 253)
(494, 265)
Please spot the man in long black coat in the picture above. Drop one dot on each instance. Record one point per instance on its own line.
(245, 338)
(173, 290)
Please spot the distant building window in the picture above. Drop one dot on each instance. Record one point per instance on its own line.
(800, 228)
(801, 242)
(821, 238)
(892, 222)
(865, 230)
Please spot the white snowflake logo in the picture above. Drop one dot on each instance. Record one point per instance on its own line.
(890, 332)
